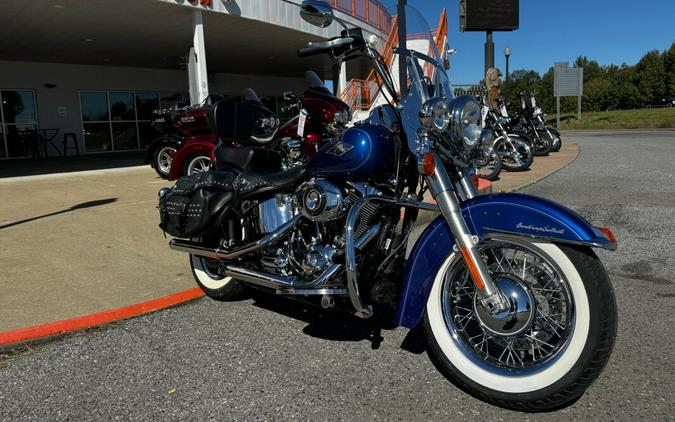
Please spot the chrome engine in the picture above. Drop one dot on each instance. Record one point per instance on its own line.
(321, 200)
(315, 241)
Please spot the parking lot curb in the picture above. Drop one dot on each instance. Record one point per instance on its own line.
(23, 335)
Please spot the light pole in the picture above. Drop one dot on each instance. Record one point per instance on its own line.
(507, 54)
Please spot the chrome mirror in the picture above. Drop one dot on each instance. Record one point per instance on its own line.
(317, 13)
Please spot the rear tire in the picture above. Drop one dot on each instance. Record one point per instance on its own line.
(196, 163)
(215, 286)
(552, 381)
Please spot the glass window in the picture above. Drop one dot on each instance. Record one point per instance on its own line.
(18, 107)
(146, 103)
(122, 106)
(3, 153)
(97, 137)
(94, 106)
(373, 11)
(169, 99)
(124, 135)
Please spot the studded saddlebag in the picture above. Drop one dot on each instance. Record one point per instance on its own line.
(196, 203)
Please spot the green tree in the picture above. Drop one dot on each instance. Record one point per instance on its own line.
(669, 69)
(596, 94)
(651, 76)
(524, 81)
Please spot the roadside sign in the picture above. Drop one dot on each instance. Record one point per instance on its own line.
(567, 82)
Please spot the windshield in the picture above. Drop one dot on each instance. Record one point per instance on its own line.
(312, 80)
(425, 44)
(426, 75)
(250, 96)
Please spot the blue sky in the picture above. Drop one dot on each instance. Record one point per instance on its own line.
(618, 31)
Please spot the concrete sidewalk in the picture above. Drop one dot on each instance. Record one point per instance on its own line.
(85, 243)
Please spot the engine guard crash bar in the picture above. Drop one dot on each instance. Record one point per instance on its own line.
(282, 284)
(363, 310)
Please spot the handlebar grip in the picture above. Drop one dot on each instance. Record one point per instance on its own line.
(309, 51)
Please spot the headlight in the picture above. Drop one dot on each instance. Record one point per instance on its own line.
(465, 112)
(435, 115)
(343, 117)
(537, 110)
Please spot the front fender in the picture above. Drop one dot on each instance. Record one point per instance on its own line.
(488, 216)
(195, 145)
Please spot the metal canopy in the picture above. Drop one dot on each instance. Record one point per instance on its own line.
(150, 34)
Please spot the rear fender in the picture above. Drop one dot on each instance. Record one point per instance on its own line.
(194, 145)
(489, 216)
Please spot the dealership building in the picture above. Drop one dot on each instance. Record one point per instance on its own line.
(96, 69)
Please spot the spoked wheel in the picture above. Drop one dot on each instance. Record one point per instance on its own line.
(490, 167)
(196, 164)
(515, 155)
(548, 348)
(162, 160)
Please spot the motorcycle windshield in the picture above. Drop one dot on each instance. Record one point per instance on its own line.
(426, 75)
(312, 80)
(250, 96)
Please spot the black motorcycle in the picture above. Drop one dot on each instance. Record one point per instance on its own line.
(514, 150)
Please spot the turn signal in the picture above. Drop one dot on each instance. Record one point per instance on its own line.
(428, 163)
(607, 232)
(474, 180)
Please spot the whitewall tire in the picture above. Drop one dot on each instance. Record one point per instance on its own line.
(585, 342)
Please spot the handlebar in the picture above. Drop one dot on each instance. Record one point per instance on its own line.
(321, 47)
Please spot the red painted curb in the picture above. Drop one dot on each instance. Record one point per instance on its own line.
(99, 318)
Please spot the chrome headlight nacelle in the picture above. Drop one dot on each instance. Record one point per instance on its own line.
(465, 118)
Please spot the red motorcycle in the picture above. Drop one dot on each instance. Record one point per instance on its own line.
(178, 125)
(321, 115)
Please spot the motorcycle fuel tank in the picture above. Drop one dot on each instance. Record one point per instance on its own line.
(363, 152)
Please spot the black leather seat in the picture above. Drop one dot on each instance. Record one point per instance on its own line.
(261, 170)
(253, 185)
(248, 159)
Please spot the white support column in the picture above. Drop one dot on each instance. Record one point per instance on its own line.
(342, 78)
(201, 81)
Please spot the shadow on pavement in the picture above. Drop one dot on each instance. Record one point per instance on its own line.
(76, 207)
(35, 166)
(328, 324)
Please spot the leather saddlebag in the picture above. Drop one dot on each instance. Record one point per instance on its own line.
(196, 203)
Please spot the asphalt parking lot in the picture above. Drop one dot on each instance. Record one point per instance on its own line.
(262, 359)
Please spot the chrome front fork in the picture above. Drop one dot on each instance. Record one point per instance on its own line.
(441, 188)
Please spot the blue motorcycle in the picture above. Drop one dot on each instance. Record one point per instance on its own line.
(516, 306)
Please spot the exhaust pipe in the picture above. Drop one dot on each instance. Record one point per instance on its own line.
(265, 279)
(198, 249)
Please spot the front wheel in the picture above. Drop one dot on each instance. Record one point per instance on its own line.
(546, 351)
(490, 167)
(515, 153)
(556, 141)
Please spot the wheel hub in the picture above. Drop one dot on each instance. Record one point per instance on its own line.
(517, 318)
